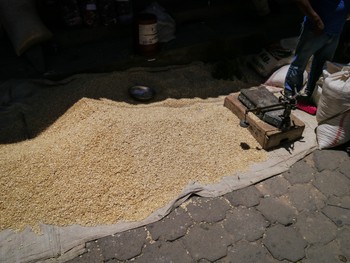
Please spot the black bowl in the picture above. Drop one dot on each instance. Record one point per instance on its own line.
(142, 93)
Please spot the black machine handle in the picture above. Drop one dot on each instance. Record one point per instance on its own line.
(286, 103)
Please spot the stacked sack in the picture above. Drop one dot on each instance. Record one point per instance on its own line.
(333, 113)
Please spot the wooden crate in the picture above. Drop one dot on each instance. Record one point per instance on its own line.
(267, 135)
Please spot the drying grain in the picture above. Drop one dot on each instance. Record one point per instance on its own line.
(104, 161)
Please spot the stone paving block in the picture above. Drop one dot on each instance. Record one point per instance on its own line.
(92, 255)
(172, 226)
(164, 252)
(344, 168)
(123, 246)
(284, 243)
(343, 201)
(301, 172)
(248, 196)
(332, 183)
(329, 253)
(210, 210)
(309, 159)
(340, 216)
(205, 241)
(278, 210)
(275, 186)
(245, 223)
(315, 227)
(343, 239)
(328, 159)
(305, 197)
(247, 252)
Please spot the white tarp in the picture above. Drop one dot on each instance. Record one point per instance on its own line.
(63, 243)
(59, 244)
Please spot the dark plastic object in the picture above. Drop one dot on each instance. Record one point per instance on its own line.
(142, 93)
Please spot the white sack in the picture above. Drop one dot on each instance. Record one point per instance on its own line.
(265, 63)
(277, 79)
(333, 113)
(329, 69)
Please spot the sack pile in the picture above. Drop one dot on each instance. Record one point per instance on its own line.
(270, 59)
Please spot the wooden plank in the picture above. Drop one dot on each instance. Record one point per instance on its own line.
(267, 135)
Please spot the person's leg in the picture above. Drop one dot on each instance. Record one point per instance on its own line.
(308, 44)
(326, 53)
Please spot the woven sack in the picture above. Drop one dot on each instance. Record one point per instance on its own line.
(333, 112)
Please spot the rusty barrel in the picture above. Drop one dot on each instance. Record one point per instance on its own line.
(146, 36)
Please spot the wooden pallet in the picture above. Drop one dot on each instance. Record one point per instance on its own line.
(267, 135)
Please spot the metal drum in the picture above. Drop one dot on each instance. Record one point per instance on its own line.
(146, 35)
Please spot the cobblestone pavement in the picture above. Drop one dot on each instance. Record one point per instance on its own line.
(302, 215)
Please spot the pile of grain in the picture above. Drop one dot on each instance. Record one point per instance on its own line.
(104, 161)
